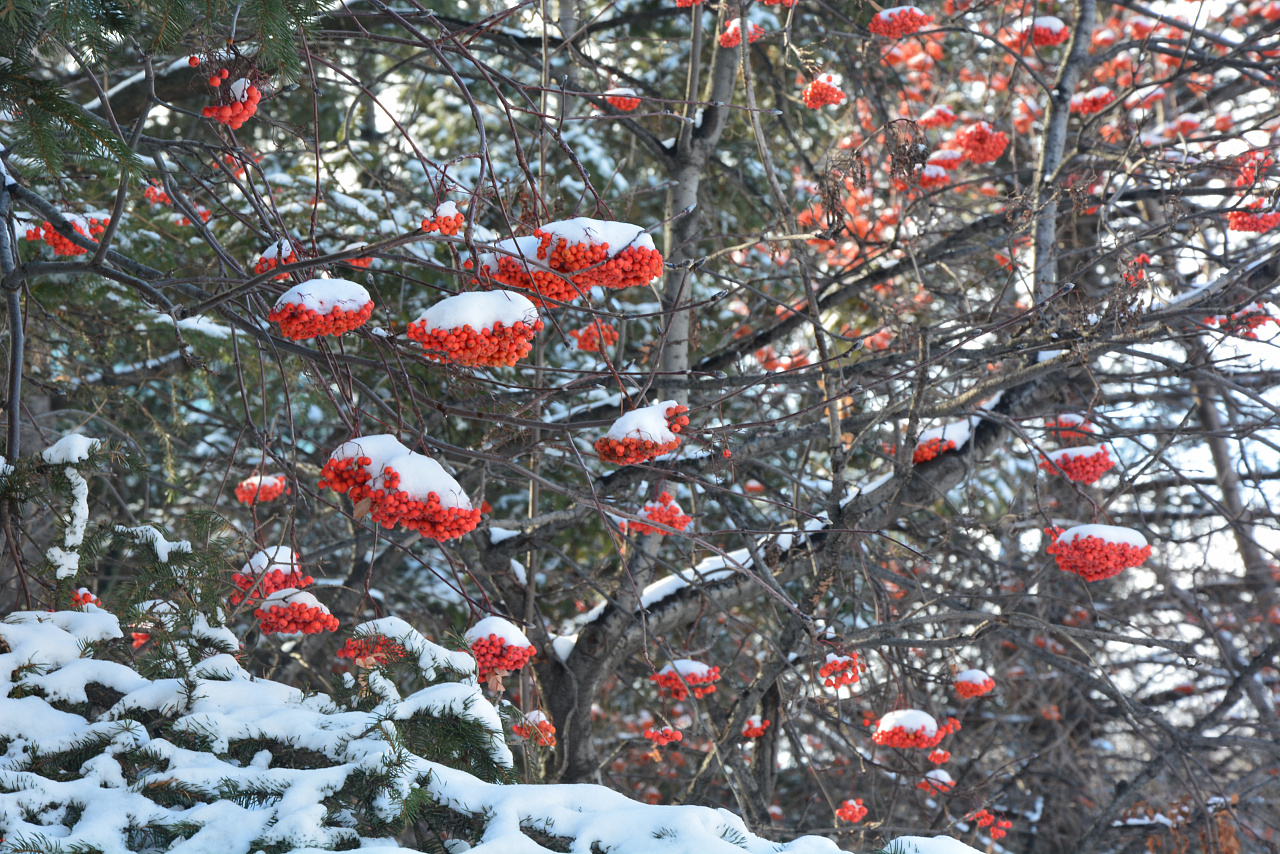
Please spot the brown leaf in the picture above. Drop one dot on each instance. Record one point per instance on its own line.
(362, 508)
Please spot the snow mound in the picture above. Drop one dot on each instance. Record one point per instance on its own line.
(324, 295)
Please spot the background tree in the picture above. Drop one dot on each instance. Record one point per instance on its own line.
(936, 287)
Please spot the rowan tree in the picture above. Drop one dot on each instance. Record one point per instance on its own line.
(865, 425)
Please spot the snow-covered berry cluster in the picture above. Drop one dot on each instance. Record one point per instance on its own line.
(237, 103)
(83, 597)
(982, 143)
(594, 336)
(665, 512)
(912, 728)
(499, 647)
(932, 176)
(291, 611)
(974, 683)
(938, 756)
(1252, 219)
(683, 675)
(623, 98)
(852, 811)
(732, 35)
(643, 434)
(267, 573)
(482, 329)
(321, 307)
(938, 116)
(403, 487)
(755, 727)
(1093, 101)
(259, 487)
(839, 670)
(823, 92)
(536, 728)
(1095, 552)
(155, 194)
(371, 650)
(563, 260)
(1047, 31)
(1081, 463)
(663, 736)
(936, 782)
(446, 219)
(89, 228)
(899, 22)
(280, 252)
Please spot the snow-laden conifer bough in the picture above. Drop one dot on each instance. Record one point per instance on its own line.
(483, 329)
(1095, 552)
(402, 487)
(683, 676)
(321, 307)
(566, 259)
(98, 757)
(643, 434)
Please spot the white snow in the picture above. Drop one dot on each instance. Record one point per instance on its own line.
(1077, 451)
(623, 91)
(1048, 22)
(240, 89)
(956, 431)
(379, 448)
(420, 476)
(504, 629)
(163, 547)
(70, 449)
(275, 557)
(911, 720)
(686, 667)
(537, 716)
(1108, 533)
(647, 422)
(65, 564)
(973, 675)
(929, 845)
(941, 111)
(324, 295)
(940, 777)
(280, 249)
(619, 235)
(890, 14)
(480, 310)
(287, 596)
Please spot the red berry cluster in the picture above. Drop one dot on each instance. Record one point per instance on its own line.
(1047, 35)
(295, 618)
(852, 811)
(1080, 468)
(493, 654)
(595, 335)
(940, 756)
(821, 93)
(926, 451)
(255, 489)
(1253, 166)
(540, 732)
(155, 194)
(981, 143)
(1248, 220)
(1093, 558)
(347, 474)
(60, 244)
(755, 727)
(392, 506)
(496, 347)
(201, 211)
(83, 597)
(969, 690)
(732, 35)
(446, 225)
(265, 264)
(272, 582)
(237, 109)
(665, 512)
(299, 322)
(900, 22)
(576, 268)
(901, 737)
(1244, 322)
(935, 786)
(839, 670)
(626, 103)
(1093, 101)
(665, 735)
(677, 687)
(938, 116)
(999, 827)
(1070, 430)
(933, 176)
(371, 650)
(362, 263)
(629, 451)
